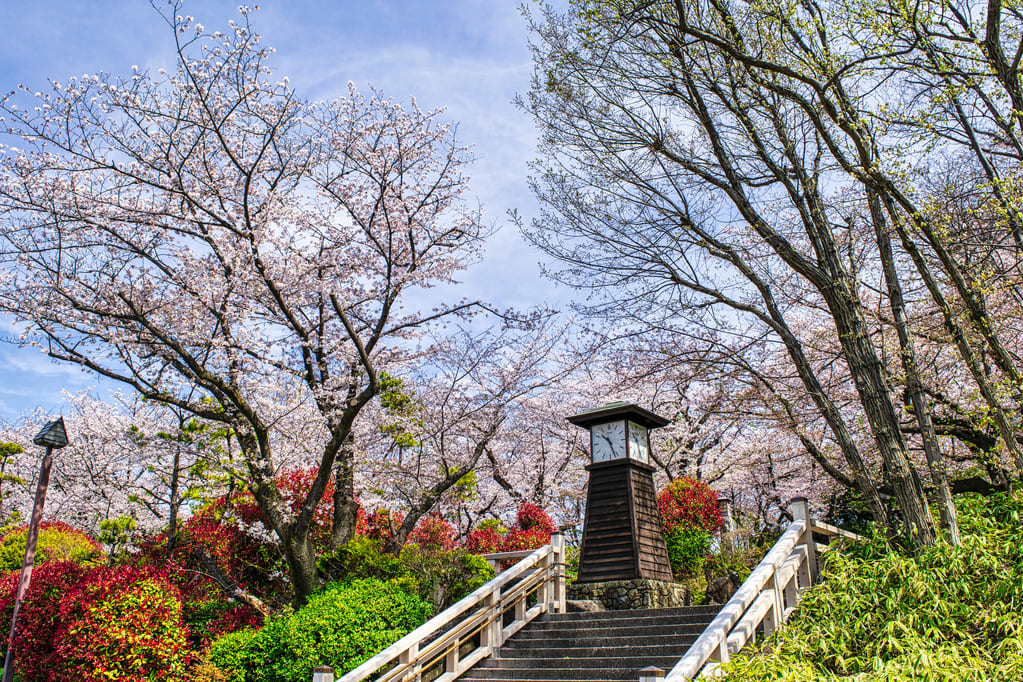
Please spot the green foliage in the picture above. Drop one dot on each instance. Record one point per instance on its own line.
(443, 577)
(687, 550)
(8, 449)
(56, 542)
(341, 626)
(884, 613)
(401, 403)
(850, 511)
(233, 655)
(439, 576)
(361, 557)
(738, 552)
(116, 533)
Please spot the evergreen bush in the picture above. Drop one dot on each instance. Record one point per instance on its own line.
(57, 541)
(341, 626)
(690, 516)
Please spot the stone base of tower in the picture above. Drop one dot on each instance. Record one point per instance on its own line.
(638, 593)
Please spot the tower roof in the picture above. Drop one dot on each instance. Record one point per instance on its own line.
(618, 410)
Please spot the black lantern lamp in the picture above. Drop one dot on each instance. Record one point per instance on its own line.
(53, 435)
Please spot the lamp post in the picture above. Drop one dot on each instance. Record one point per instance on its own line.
(52, 437)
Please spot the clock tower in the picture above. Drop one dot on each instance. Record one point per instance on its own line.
(622, 534)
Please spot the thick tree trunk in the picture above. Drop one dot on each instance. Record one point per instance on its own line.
(301, 558)
(914, 385)
(875, 396)
(346, 509)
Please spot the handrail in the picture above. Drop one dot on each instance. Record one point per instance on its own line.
(765, 600)
(480, 613)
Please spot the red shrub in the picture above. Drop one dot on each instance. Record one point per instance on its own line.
(690, 504)
(533, 517)
(38, 619)
(122, 624)
(485, 540)
(433, 532)
(533, 528)
(380, 524)
(100, 624)
(520, 539)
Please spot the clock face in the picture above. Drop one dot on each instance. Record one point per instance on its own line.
(608, 441)
(639, 446)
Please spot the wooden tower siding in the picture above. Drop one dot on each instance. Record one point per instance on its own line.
(622, 538)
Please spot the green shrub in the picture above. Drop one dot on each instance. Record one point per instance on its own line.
(57, 541)
(687, 550)
(690, 516)
(233, 655)
(439, 576)
(442, 577)
(887, 613)
(341, 626)
(361, 557)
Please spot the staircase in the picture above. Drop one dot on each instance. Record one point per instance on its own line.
(608, 645)
(514, 627)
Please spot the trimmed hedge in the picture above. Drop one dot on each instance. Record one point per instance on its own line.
(341, 626)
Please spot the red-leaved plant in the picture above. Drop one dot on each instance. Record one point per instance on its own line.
(38, 620)
(121, 624)
(485, 540)
(689, 503)
(433, 532)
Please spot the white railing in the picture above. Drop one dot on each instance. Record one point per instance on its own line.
(763, 603)
(460, 636)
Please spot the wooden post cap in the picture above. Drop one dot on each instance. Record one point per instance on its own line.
(651, 673)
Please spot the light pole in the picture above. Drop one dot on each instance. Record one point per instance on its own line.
(52, 437)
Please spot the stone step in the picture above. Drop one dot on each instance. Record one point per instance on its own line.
(560, 674)
(677, 649)
(613, 622)
(633, 613)
(615, 630)
(601, 641)
(625, 658)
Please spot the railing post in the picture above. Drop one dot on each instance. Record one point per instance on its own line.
(323, 673)
(558, 598)
(651, 674)
(407, 657)
(493, 631)
(451, 660)
(545, 591)
(800, 509)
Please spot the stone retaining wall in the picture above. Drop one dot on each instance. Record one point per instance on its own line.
(632, 594)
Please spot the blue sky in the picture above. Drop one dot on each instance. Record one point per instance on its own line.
(469, 56)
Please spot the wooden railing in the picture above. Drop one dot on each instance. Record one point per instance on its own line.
(763, 603)
(460, 636)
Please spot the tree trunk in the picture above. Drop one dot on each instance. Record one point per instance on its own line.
(914, 385)
(301, 558)
(875, 396)
(346, 509)
(172, 523)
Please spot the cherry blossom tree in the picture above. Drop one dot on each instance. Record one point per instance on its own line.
(216, 243)
(126, 458)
